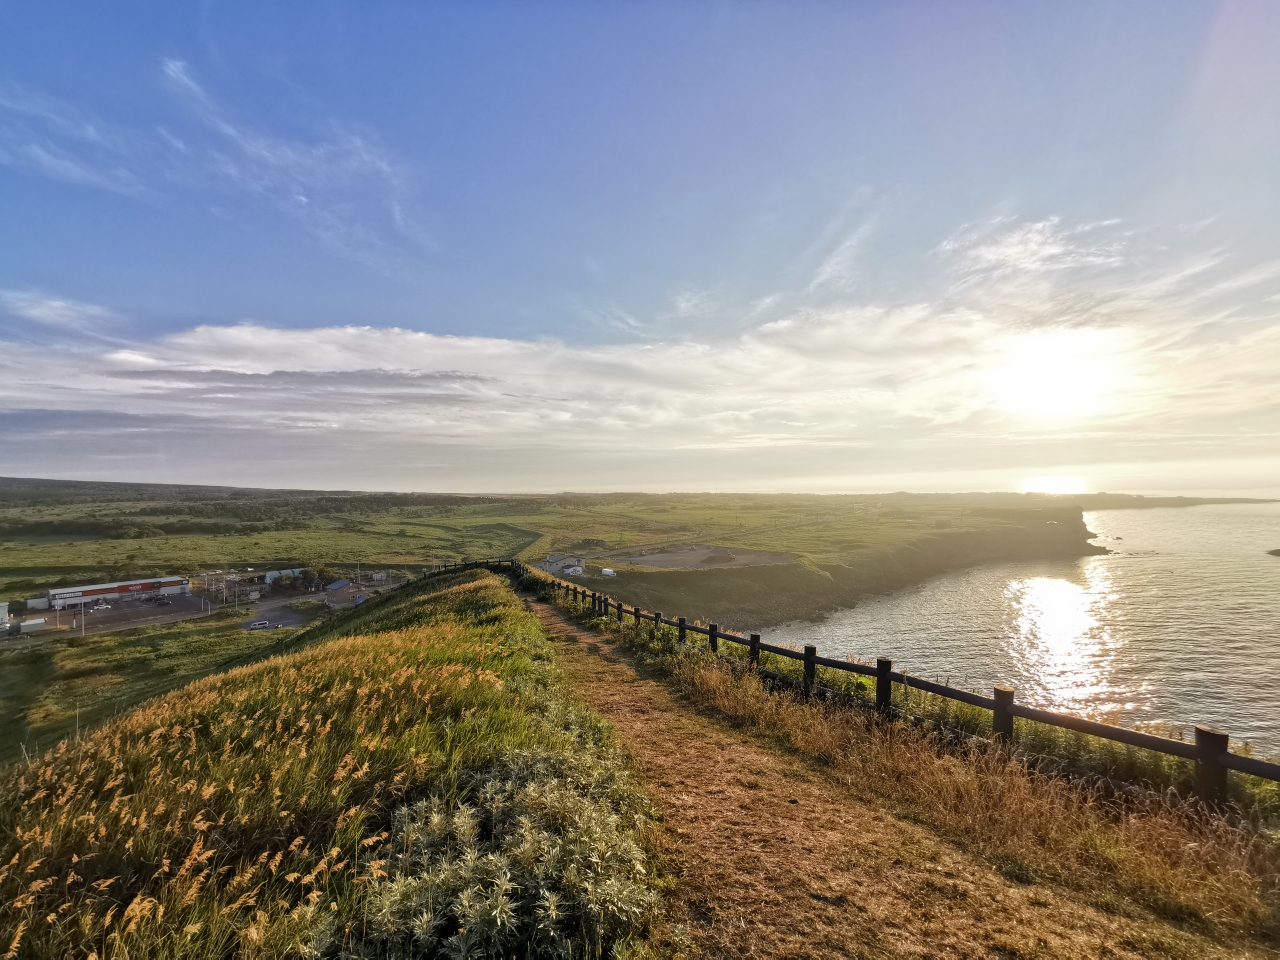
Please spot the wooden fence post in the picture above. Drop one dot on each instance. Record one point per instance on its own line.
(810, 671)
(884, 686)
(636, 612)
(754, 656)
(713, 637)
(1211, 775)
(619, 613)
(1001, 718)
(680, 624)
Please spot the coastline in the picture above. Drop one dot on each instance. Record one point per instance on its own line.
(769, 595)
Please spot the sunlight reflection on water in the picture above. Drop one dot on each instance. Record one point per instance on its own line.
(1178, 625)
(1059, 637)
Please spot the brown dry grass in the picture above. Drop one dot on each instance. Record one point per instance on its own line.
(895, 847)
(1157, 852)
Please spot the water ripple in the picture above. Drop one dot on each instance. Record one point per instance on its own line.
(1180, 625)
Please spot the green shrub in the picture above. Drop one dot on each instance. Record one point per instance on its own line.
(540, 861)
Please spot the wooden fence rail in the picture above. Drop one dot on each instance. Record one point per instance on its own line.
(1210, 751)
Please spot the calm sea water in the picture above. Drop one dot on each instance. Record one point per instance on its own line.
(1180, 625)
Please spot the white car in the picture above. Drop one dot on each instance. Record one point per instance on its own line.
(606, 572)
(260, 625)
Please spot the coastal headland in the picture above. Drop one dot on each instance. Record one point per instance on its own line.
(741, 559)
(808, 586)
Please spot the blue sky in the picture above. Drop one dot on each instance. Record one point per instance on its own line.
(543, 246)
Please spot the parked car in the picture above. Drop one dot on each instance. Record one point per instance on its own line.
(164, 603)
(260, 625)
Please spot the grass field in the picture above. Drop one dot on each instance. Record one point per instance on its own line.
(54, 533)
(842, 548)
(416, 778)
(50, 690)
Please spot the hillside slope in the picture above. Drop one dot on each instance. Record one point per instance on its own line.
(418, 777)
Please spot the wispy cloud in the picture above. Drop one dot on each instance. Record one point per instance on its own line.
(52, 139)
(1135, 358)
(838, 269)
(57, 313)
(344, 187)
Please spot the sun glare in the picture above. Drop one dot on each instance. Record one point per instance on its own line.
(1060, 374)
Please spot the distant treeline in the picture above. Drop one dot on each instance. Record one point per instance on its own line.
(298, 507)
(25, 492)
(125, 528)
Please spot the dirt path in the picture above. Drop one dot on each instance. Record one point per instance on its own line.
(776, 860)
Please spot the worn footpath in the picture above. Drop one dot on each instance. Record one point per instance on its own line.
(775, 859)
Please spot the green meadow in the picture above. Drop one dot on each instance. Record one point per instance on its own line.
(832, 549)
(54, 689)
(57, 532)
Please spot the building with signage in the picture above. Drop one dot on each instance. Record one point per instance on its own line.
(59, 598)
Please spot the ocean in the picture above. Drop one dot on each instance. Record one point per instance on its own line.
(1179, 625)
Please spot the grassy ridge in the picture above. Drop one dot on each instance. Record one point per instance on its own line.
(55, 688)
(1148, 851)
(425, 783)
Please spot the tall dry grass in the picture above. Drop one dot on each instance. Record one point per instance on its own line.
(1147, 850)
(251, 813)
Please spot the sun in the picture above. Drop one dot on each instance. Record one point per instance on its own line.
(1060, 375)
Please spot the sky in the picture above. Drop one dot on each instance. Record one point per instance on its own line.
(527, 247)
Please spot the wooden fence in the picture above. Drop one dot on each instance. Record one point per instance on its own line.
(1210, 750)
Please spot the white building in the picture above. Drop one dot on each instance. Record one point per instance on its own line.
(59, 598)
(559, 563)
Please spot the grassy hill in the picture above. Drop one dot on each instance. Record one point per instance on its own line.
(54, 688)
(415, 777)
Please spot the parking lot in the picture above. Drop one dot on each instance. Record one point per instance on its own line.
(121, 615)
(135, 613)
(276, 612)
